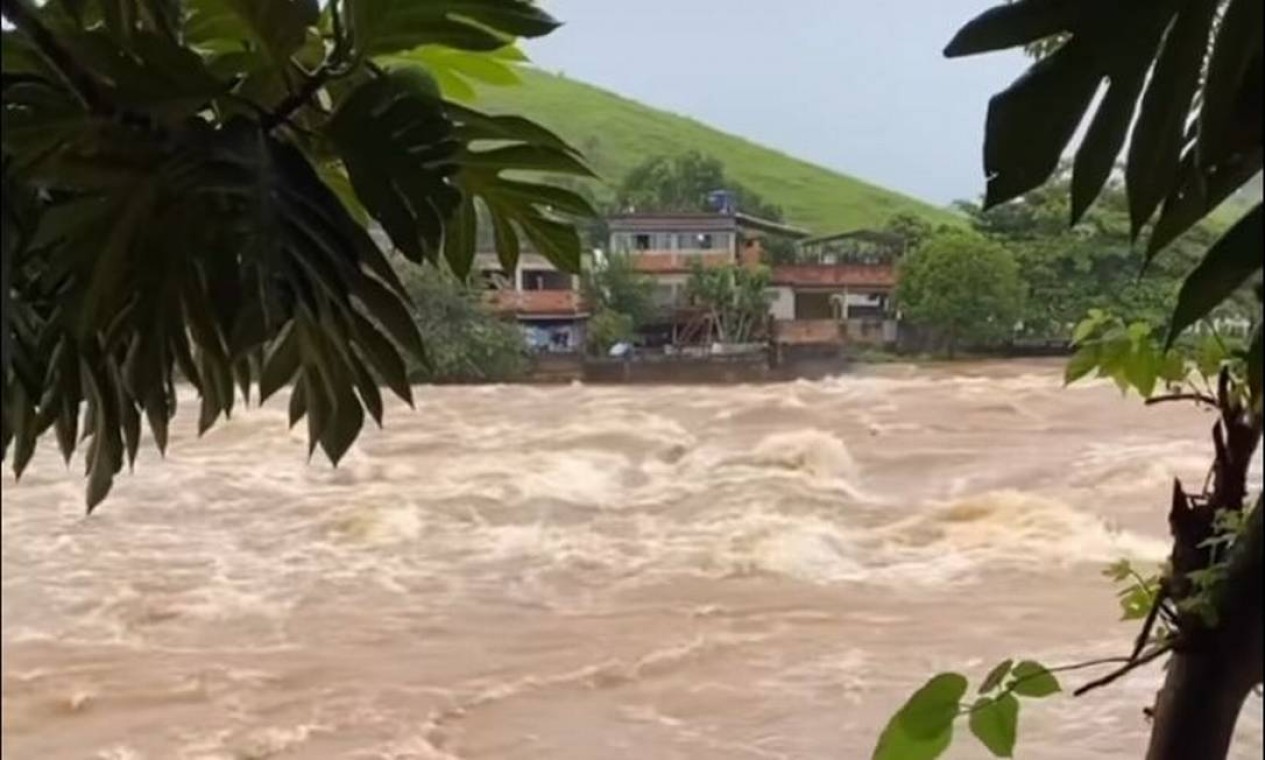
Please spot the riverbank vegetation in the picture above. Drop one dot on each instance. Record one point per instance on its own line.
(463, 341)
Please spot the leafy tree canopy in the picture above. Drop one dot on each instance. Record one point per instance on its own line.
(736, 298)
(464, 341)
(682, 183)
(613, 284)
(962, 287)
(1094, 264)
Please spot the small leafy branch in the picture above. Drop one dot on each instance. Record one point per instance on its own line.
(923, 728)
(1179, 601)
(1134, 357)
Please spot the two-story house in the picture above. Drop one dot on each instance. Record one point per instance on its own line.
(546, 302)
(839, 291)
(666, 247)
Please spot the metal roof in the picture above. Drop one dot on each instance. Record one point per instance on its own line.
(870, 236)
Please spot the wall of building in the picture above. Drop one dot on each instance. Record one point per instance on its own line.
(808, 332)
(782, 305)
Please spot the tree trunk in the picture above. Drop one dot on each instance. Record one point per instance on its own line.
(1207, 682)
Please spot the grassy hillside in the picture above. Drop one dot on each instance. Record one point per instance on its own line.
(616, 134)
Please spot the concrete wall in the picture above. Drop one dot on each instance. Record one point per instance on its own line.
(808, 331)
(783, 304)
(712, 370)
(795, 362)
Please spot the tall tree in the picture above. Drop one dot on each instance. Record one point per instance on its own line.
(465, 342)
(187, 188)
(1183, 90)
(683, 182)
(736, 298)
(963, 288)
(613, 283)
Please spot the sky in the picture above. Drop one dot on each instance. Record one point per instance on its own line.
(860, 87)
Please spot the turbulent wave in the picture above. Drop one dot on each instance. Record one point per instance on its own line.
(504, 555)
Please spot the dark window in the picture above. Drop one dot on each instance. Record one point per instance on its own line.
(641, 242)
(546, 279)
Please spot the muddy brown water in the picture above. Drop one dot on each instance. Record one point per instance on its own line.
(579, 572)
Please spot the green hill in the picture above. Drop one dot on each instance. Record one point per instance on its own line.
(616, 134)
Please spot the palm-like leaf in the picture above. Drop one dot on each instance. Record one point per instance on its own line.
(381, 27)
(1197, 133)
(184, 200)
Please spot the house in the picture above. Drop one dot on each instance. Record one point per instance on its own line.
(839, 291)
(546, 302)
(666, 247)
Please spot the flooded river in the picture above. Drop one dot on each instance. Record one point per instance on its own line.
(579, 572)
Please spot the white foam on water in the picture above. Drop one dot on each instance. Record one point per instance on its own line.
(735, 500)
(1010, 528)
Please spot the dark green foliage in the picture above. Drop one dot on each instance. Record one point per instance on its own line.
(1196, 138)
(608, 327)
(186, 191)
(736, 297)
(962, 287)
(613, 284)
(681, 183)
(464, 341)
(1093, 265)
(923, 728)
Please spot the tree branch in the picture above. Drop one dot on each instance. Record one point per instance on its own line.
(1200, 397)
(1129, 667)
(286, 108)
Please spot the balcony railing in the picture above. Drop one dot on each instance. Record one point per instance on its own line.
(663, 262)
(835, 275)
(537, 302)
(808, 331)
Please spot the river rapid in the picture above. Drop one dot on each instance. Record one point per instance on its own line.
(759, 572)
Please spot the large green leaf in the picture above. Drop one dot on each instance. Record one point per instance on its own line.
(1031, 679)
(1126, 64)
(896, 744)
(1232, 91)
(381, 27)
(123, 19)
(280, 26)
(1155, 147)
(198, 249)
(1016, 23)
(396, 141)
(932, 709)
(1225, 268)
(519, 209)
(923, 728)
(457, 71)
(995, 722)
(1197, 192)
(1031, 122)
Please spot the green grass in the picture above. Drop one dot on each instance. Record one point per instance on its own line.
(616, 134)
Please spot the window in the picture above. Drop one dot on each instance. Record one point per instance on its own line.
(704, 241)
(642, 242)
(546, 279)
